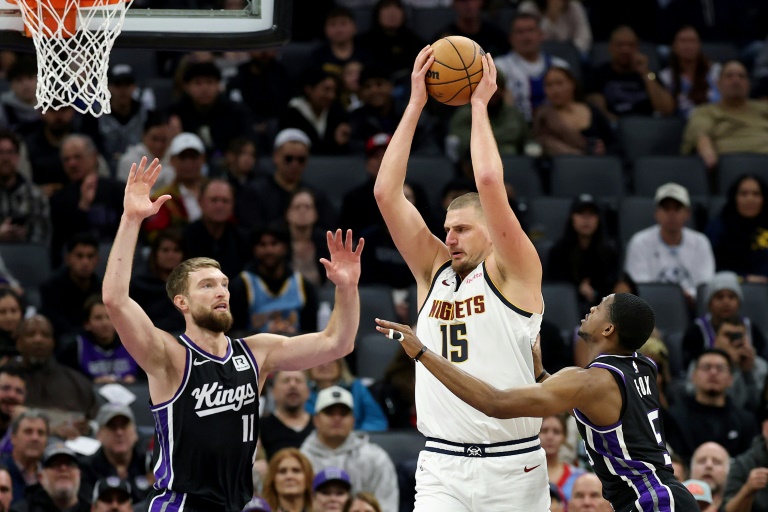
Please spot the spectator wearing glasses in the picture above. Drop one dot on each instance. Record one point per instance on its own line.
(709, 414)
(267, 201)
(59, 484)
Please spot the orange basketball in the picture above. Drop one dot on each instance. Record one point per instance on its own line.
(456, 71)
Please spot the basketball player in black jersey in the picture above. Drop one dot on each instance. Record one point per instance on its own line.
(204, 386)
(614, 400)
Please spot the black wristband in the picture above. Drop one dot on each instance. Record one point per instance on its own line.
(541, 376)
(421, 353)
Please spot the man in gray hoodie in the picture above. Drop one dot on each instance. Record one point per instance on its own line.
(334, 444)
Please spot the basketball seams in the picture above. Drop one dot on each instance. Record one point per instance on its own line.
(461, 58)
(458, 79)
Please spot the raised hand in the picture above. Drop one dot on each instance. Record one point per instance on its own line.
(137, 202)
(418, 77)
(343, 269)
(487, 86)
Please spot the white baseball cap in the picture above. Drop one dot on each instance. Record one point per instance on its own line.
(673, 191)
(184, 141)
(332, 396)
(291, 135)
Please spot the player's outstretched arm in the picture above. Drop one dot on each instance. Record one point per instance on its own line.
(565, 390)
(515, 254)
(137, 333)
(419, 247)
(338, 337)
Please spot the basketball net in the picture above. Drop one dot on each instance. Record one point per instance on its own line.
(73, 39)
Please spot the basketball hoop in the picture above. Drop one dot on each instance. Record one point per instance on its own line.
(73, 39)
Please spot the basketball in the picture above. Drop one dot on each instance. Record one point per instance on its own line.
(456, 71)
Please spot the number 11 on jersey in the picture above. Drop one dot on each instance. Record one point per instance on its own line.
(247, 427)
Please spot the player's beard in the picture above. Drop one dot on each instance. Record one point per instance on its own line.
(463, 268)
(214, 321)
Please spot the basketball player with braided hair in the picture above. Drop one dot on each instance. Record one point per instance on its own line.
(481, 305)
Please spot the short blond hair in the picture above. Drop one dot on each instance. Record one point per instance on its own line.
(178, 281)
(470, 199)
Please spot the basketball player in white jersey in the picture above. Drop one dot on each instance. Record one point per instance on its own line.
(481, 306)
(204, 386)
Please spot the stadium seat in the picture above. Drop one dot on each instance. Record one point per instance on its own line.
(547, 216)
(413, 305)
(375, 302)
(731, 167)
(716, 205)
(635, 213)
(295, 57)
(561, 306)
(427, 22)
(645, 136)
(162, 89)
(566, 51)
(30, 264)
(143, 62)
(543, 246)
(651, 172)
(335, 175)
(139, 407)
(401, 445)
(720, 52)
(373, 353)
(669, 305)
(432, 173)
(363, 17)
(674, 343)
(520, 172)
(601, 176)
(756, 305)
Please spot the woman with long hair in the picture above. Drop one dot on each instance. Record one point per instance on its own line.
(11, 314)
(288, 484)
(739, 235)
(307, 239)
(566, 126)
(583, 256)
(691, 77)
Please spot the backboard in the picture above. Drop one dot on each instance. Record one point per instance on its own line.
(261, 24)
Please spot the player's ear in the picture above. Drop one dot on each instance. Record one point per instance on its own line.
(180, 302)
(608, 330)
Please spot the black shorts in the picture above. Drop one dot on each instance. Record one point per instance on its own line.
(172, 501)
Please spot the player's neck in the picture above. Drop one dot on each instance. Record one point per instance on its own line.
(213, 343)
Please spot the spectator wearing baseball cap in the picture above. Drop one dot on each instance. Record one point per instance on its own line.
(330, 490)
(187, 155)
(203, 110)
(701, 492)
(747, 485)
(124, 125)
(112, 494)
(267, 201)
(723, 298)
(119, 454)
(257, 504)
(668, 251)
(58, 485)
(333, 444)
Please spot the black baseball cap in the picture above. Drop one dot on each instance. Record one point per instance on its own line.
(584, 202)
(111, 484)
(121, 74)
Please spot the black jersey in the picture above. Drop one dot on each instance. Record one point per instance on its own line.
(205, 436)
(630, 456)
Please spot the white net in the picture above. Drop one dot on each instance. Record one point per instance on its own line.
(73, 43)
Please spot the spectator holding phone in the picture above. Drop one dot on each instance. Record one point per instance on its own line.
(749, 369)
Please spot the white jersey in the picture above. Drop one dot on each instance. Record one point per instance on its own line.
(472, 325)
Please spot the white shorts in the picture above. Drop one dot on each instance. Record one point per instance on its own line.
(479, 482)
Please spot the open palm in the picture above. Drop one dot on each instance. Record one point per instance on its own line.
(137, 201)
(344, 266)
